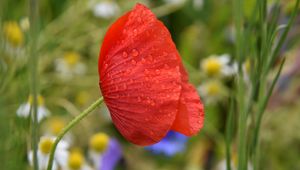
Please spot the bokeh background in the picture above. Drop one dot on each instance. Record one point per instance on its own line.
(69, 39)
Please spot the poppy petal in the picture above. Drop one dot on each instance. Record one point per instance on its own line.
(140, 76)
(190, 117)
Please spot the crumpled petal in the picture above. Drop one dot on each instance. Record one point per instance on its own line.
(190, 117)
(140, 76)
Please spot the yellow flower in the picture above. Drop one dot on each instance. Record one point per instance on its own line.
(247, 66)
(71, 58)
(56, 125)
(40, 100)
(69, 65)
(82, 98)
(75, 160)
(213, 88)
(45, 145)
(212, 91)
(214, 66)
(13, 33)
(99, 142)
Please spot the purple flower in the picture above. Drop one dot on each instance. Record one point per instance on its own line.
(111, 156)
(170, 145)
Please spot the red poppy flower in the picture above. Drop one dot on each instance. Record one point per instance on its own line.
(143, 81)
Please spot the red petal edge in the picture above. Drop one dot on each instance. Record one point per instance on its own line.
(190, 117)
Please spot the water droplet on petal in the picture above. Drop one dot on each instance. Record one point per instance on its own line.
(125, 55)
(133, 62)
(139, 99)
(135, 32)
(134, 53)
(146, 71)
(157, 71)
(105, 66)
(143, 61)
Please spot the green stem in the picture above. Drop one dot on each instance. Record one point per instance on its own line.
(33, 14)
(229, 134)
(69, 126)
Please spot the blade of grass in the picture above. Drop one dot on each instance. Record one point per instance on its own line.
(283, 36)
(229, 134)
(33, 12)
(261, 110)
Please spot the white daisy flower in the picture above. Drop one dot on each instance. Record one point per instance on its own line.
(212, 91)
(76, 161)
(60, 157)
(174, 2)
(69, 66)
(198, 4)
(25, 24)
(25, 108)
(106, 9)
(217, 66)
(98, 144)
(223, 166)
(54, 126)
(14, 38)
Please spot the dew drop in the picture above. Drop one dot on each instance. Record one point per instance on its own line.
(134, 53)
(133, 62)
(146, 71)
(157, 71)
(143, 61)
(125, 55)
(135, 32)
(105, 66)
(139, 99)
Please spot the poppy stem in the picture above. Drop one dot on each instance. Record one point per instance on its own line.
(76, 120)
